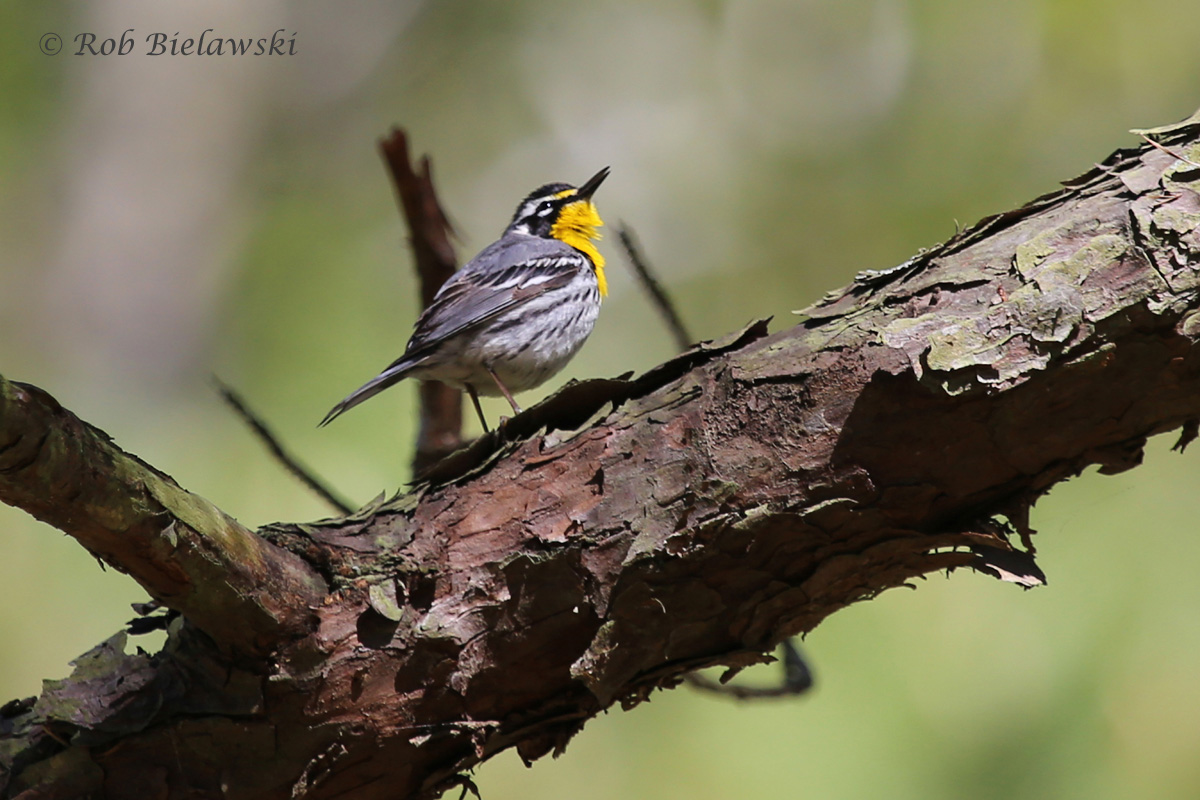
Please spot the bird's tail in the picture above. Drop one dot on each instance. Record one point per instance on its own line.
(389, 377)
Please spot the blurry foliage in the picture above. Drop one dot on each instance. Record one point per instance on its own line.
(763, 152)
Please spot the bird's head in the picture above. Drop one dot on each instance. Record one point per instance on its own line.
(564, 212)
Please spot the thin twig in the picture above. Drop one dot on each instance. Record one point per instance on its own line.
(466, 783)
(683, 339)
(797, 679)
(272, 442)
(429, 234)
(1168, 151)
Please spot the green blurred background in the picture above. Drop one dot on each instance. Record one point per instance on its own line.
(167, 218)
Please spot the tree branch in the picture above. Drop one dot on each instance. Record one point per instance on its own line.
(626, 532)
(245, 593)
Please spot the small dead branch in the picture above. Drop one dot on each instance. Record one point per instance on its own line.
(429, 234)
(276, 448)
(797, 679)
(662, 301)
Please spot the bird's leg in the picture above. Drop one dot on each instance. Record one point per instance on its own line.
(478, 408)
(504, 390)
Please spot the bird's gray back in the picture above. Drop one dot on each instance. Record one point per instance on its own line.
(513, 249)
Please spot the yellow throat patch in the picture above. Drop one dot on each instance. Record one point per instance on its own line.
(576, 225)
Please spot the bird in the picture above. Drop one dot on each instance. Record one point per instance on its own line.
(516, 313)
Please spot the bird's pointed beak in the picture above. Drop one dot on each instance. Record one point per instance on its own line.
(592, 184)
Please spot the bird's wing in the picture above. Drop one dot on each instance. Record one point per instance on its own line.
(472, 297)
(503, 276)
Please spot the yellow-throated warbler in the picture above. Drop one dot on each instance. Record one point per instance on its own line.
(517, 312)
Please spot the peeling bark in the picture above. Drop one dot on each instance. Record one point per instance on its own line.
(625, 532)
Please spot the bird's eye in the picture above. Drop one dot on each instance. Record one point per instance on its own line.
(544, 207)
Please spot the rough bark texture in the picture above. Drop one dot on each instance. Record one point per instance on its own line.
(244, 592)
(625, 532)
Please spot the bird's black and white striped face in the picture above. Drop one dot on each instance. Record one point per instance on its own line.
(538, 212)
